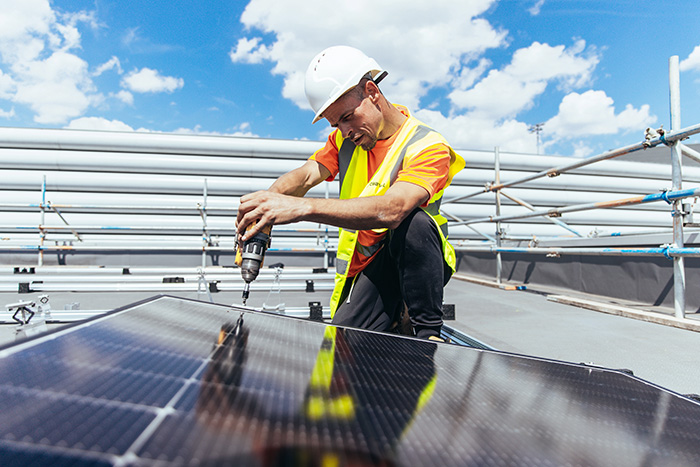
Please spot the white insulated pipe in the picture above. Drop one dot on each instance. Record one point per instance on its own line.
(465, 182)
(153, 144)
(22, 220)
(135, 203)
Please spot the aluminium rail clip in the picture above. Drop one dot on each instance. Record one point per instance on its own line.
(30, 316)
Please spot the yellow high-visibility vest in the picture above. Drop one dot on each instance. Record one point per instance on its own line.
(414, 136)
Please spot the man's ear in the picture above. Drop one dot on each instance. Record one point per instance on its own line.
(372, 91)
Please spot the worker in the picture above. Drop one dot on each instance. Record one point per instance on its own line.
(393, 254)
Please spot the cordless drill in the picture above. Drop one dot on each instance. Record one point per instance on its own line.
(250, 257)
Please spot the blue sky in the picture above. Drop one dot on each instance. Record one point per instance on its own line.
(480, 71)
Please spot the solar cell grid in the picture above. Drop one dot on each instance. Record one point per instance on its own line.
(178, 382)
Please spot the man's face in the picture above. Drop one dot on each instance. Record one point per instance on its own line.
(357, 117)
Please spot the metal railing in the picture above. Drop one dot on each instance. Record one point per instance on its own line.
(674, 197)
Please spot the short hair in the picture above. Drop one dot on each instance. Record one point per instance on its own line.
(359, 89)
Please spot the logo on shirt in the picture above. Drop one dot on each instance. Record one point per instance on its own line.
(380, 185)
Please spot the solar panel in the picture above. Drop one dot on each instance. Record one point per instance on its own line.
(179, 382)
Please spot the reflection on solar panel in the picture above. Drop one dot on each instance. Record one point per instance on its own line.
(178, 382)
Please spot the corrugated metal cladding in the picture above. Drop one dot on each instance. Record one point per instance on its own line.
(138, 193)
(176, 382)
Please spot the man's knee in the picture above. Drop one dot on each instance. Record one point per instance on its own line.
(418, 220)
(417, 231)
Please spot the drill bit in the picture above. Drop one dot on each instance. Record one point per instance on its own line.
(246, 292)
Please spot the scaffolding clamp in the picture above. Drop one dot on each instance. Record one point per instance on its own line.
(650, 134)
(664, 196)
(666, 247)
(688, 212)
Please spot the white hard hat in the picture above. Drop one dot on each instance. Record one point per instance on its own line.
(335, 71)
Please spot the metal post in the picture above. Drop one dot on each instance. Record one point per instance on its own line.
(205, 234)
(499, 234)
(42, 232)
(201, 281)
(677, 174)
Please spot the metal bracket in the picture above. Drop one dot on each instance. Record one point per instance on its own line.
(276, 289)
(24, 309)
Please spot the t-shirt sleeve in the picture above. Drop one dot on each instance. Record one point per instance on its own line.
(428, 169)
(327, 156)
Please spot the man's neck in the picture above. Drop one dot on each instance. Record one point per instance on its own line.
(393, 119)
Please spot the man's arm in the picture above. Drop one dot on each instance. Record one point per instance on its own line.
(372, 212)
(295, 183)
(300, 180)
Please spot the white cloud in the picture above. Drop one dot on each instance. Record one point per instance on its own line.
(241, 130)
(581, 150)
(504, 93)
(7, 113)
(148, 80)
(67, 27)
(536, 8)
(7, 86)
(692, 62)
(20, 25)
(42, 72)
(111, 64)
(98, 123)
(249, 51)
(56, 89)
(469, 132)
(125, 96)
(593, 113)
(499, 95)
(468, 76)
(438, 54)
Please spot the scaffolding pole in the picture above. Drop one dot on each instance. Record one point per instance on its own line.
(499, 233)
(42, 232)
(668, 251)
(668, 196)
(677, 174)
(532, 208)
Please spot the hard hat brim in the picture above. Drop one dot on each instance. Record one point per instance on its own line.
(377, 73)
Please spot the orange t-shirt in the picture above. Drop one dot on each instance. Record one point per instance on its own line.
(428, 169)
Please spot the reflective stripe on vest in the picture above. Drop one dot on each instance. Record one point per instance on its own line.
(352, 163)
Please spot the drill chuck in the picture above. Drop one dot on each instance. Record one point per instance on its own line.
(250, 269)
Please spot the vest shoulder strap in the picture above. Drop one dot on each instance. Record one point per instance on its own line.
(344, 157)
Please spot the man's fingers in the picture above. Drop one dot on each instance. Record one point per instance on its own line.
(252, 224)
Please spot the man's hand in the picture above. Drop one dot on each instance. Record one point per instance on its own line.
(268, 208)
